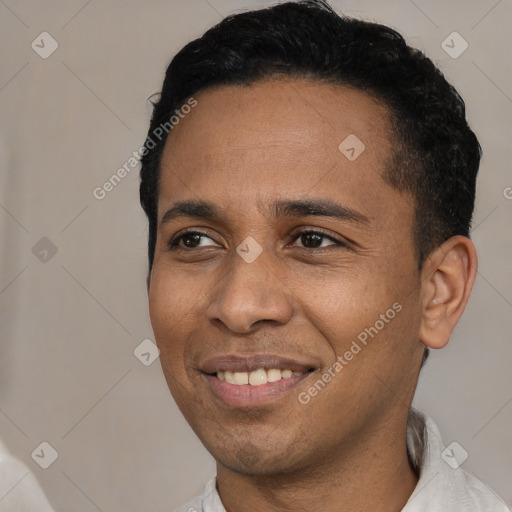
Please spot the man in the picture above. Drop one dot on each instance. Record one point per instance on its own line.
(309, 182)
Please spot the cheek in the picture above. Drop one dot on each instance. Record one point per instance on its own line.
(350, 298)
(372, 306)
(170, 311)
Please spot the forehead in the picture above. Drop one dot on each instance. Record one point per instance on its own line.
(287, 112)
(293, 135)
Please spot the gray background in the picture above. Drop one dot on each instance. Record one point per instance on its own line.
(69, 325)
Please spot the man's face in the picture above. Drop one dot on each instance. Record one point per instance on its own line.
(301, 302)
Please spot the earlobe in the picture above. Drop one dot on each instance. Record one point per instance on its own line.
(447, 280)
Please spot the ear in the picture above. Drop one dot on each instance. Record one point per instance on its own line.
(448, 276)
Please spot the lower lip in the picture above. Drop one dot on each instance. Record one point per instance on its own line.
(249, 396)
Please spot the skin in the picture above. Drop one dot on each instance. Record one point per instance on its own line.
(242, 148)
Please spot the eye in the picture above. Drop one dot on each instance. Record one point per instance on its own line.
(310, 239)
(315, 239)
(190, 239)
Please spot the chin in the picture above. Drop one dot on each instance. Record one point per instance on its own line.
(255, 458)
(255, 464)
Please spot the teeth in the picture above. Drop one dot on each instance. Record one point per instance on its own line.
(256, 377)
(241, 378)
(273, 375)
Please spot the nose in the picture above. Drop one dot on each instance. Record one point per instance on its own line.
(251, 294)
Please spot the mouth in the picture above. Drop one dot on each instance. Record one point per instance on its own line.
(254, 380)
(257, 377)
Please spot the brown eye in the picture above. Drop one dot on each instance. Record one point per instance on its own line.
(189, 239)
(315, 239)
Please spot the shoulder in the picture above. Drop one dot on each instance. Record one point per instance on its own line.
(192, 506)
(481, 497)
(209, 501)
(19, 489)
(443, 484)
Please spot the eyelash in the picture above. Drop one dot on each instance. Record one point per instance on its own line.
(174, 243)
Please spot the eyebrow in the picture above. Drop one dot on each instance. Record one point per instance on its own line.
(205, 210)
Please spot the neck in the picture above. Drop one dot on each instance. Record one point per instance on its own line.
(372, 473)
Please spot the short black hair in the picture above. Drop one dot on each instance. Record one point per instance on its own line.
(436, 155)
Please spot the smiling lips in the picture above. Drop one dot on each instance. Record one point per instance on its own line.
(253, 380)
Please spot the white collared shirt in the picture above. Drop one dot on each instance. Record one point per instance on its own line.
(19, 489)
(443, 486)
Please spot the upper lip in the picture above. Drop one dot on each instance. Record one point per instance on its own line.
(249, 363)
